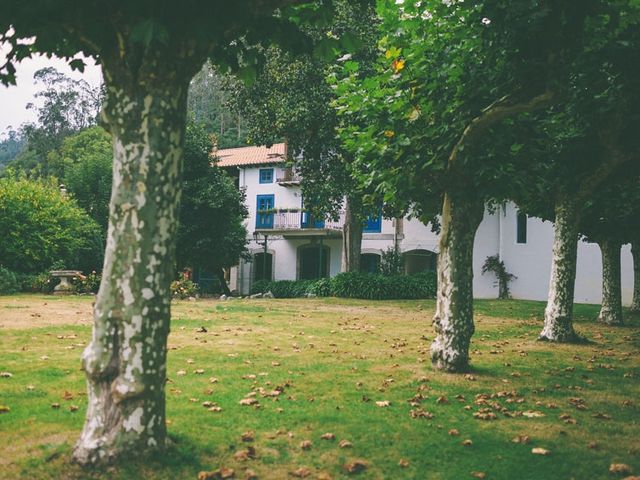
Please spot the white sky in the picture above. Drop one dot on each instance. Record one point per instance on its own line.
(14, 99)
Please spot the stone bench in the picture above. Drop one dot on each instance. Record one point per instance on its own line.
(65, 276)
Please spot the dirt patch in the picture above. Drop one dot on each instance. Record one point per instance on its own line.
(41, 311)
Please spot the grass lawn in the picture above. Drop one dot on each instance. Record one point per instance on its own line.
(359, 370)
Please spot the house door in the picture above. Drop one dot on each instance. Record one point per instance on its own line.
(313, 262)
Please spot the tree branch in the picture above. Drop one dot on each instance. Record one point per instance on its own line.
(498, 110)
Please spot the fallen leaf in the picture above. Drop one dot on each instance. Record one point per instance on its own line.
(181, 373)
(6, 375)
(467, 443)
(55, 405)
(532, 414)
(355, 466)
(4, 409)
(454, 432)
(199, 371)
(248, 436)
(621, 468)
(301, 472)
(328, 436)
(524, 439)
(383, 403)
(540, 451)
(404, 463)
(249, 401)
(345, 444)
(478, 474)
(73, 408)
(306, 444)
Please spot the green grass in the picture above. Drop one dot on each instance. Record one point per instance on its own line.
(337, 358)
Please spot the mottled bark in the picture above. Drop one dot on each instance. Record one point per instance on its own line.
(635, 252)
(351, 236)
(558, 315)
(611, 308)
(125, 362)
(453, 320)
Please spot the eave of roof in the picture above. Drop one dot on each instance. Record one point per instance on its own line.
(250, 156)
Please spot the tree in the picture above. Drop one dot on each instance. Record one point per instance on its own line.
(582, 141)
(610, 219)
(68, 106)
(292, 99)
(453, 73)
(148, 53)
(209, 103)
(10, 147)
(212, 234)
(86, 162)
(41, 227)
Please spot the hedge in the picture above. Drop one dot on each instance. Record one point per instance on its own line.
(354, 285)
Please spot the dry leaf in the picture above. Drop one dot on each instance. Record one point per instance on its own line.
(345, 444)
(622, 468)
(454, 432)
(532, 414)
(301, 472)
(221, 474)
(479, 475)
(4, 409)
(540, 451)
(524, 439)
(306, 444)
(181, 373)
(467, 443)
(248, 436)
(249, 401)
(328, 436)
(404, 463)
(199, 371)
(55, 405)
(383, 403)
(355, 466)
(6, 375)
(73, 408)
(250, 474)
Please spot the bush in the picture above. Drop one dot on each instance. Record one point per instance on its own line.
(355, 285)
(183, 288)
(40, 226)
(8, 282)
(88, 284)
(260, 286)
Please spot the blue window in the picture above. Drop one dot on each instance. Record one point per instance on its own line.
(373, 224)
(265, 203)
(266, 175)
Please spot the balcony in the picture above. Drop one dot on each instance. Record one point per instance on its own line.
(289, 178)
(297, 223)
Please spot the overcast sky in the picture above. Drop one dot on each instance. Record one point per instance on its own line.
(14, 99)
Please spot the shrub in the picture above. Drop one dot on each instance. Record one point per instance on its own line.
(260, 286)
(40, 226)
(322, 287)
(183, 288)
(8, 282)
(355, 285)
(88, 284)
(494, 265)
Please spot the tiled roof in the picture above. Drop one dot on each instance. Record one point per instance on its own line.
(245, 156)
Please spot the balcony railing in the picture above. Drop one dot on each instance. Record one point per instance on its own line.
(289, 177)
(297, 220)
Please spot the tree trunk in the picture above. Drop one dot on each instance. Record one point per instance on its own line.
(351, 236)
(635, 253)
(558, 315)
(125, 362)
(223, 282)
(611, 309)
(453, 320)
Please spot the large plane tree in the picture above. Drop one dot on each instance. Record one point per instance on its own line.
(148, 51)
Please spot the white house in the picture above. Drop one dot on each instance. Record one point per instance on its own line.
(287, 244)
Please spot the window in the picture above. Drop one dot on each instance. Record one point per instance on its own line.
(265, 204)
(313, 262)
(373, 224)
(263, 266)
(266, 175)
(521, 228)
